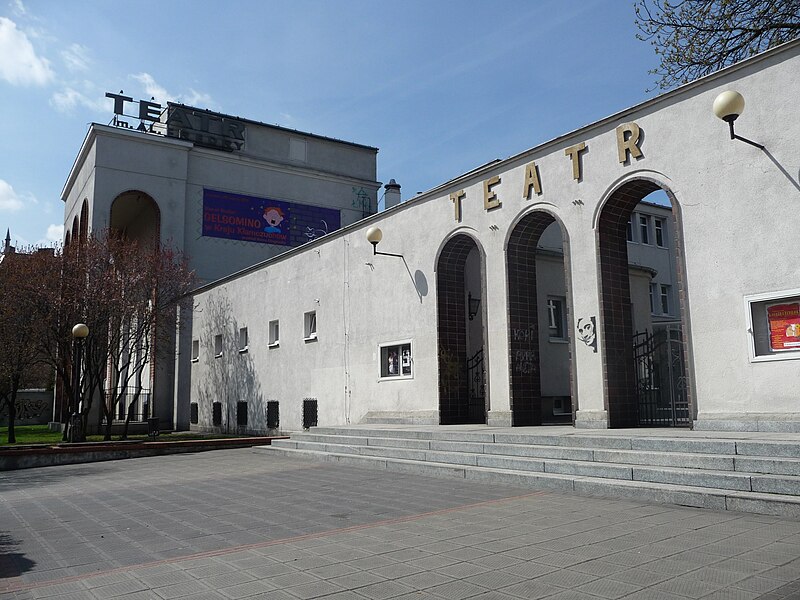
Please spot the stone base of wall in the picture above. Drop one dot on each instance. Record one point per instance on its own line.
(777, 422)
(499, 418)
(417, 417)
(591, 419)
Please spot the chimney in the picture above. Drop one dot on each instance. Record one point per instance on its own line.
(392, 196)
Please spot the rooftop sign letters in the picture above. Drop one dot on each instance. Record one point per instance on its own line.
(148, 111)
(201, 127)
(205, 128)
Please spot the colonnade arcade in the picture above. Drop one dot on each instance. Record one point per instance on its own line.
(464, 394)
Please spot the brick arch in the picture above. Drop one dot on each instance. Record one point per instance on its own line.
(616, 321)
(454, 405)
(523, 316)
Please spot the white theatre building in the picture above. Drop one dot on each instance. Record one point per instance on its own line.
(640, 271)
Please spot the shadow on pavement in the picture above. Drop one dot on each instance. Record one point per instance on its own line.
(12, 564)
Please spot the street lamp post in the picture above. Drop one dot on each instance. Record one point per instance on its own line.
(75, 431)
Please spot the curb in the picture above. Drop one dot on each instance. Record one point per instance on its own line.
(31, 457)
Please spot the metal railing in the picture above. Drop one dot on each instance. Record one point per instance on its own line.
(140, 410)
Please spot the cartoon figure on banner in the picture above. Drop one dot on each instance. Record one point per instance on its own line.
(274, 217)
(587, 332)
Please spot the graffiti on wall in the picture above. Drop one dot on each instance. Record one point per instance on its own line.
(587, 332)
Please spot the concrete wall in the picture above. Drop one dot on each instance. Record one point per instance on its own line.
(173, 172)
(733, 204)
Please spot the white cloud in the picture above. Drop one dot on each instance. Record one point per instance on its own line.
(55, 233)
(19, 64)
(154, 89)
(76, 57)
(69, 98)
(162, 96)
(19, 8)
(9, 199)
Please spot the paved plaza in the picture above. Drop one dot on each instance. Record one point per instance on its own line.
(241, 524)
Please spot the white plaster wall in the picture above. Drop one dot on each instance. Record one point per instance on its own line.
(735, 202)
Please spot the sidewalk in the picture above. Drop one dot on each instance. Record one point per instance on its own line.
(236, 524)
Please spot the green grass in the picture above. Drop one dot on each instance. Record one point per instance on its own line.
(40, 434)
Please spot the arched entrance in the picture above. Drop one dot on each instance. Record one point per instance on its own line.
(539, 325)
(461, 326)
(135, 215)
(644, 350)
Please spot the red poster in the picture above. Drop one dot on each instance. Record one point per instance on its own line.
(784, 326)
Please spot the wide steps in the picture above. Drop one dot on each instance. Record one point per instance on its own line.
(761, 476)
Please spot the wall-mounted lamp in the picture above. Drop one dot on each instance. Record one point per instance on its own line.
(728, 106)
(474, 305)
(374, 236)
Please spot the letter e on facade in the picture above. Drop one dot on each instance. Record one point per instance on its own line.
(490, 199)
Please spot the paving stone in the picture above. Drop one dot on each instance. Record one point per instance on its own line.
(318, 533)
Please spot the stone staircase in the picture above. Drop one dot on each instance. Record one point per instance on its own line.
(718, 470)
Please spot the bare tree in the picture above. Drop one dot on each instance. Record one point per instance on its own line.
(25, 278)
(123, 292)
(697, 37)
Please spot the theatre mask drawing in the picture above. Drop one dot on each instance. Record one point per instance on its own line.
(636, 272)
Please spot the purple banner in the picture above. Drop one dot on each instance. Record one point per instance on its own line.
(265, 221)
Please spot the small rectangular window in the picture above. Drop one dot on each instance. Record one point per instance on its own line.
(644, 229)
(195, 350)
(396, 360)
(274, 334)
(217, 345)
(557, 317)
(310, 326)
(773, 321)
(665, 299)
(659, 227)
(652, 298)
(629, 230)
(243, 340)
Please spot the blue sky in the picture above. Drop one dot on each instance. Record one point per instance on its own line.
(440, 86)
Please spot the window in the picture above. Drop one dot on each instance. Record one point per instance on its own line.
(396, 360)
(629, 231)
(195, 350)
(644, 229)
(243, 340)
(217, 346)
(773, 321)
(652, 298)
(557, 317)
(659, 227)
(310, 326)
(665, 293)
(274, 334)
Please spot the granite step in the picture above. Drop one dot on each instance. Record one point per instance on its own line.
(668, 474)
(713, 462)
(686, 495)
